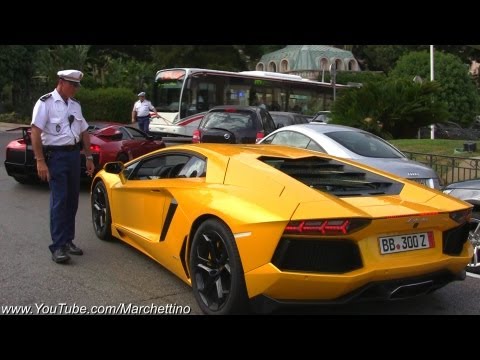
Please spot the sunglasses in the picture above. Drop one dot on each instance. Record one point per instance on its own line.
(73, 83)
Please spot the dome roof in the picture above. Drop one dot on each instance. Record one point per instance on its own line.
(301, 57)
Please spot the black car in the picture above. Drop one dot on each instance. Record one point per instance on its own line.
(234, 125)
(282, 118)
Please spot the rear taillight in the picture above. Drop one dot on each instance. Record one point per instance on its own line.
(260, 135)
(196, 137)
(325, 227)
(95, 148)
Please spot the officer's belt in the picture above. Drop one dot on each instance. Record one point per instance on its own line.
(62, 147)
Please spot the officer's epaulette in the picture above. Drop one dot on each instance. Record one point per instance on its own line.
(75, 100)
(45, 97)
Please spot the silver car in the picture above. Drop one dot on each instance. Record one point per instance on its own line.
(355, 144)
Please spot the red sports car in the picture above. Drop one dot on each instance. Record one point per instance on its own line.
(108, 142)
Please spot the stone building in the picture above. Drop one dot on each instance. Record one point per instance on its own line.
(308, 61)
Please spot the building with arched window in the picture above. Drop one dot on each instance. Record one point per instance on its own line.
(308, 61)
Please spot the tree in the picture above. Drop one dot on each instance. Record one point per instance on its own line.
(16, 76)
(458, 89)
(380, 57)
(219, 57)
(394, 108)
(52, 59)
(131, 74)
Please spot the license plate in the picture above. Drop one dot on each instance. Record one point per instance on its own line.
(409, 242)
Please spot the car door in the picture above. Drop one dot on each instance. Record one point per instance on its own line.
(148, 197)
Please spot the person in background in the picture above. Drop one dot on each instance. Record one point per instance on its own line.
(141, 112)
(58, 129)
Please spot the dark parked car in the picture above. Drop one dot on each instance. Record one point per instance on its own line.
(108, 142)
(282, 118)
(234, 125)
(469, 191)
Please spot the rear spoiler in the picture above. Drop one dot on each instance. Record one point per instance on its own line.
(20, 128)
(25, 133)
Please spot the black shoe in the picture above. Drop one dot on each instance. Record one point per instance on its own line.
(72, 249)
(59, 256)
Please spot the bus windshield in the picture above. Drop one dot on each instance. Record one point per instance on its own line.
(168, 89)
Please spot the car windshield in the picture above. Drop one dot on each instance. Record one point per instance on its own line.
(228, 120)
(365, 144)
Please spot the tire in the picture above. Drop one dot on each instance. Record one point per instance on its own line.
(122, 157)
(215, 265)
(101, 217)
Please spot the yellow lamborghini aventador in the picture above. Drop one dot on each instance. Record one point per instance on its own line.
(256, 226)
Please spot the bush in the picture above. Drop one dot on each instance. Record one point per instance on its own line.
(344, 77)
(107, 104)
(15, 118)
(458, 89)
(394, 108)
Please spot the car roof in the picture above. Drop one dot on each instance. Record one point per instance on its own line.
(233, 107)
(318, 127)
(287, 113)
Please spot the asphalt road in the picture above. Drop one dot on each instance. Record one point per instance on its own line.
(112, 273)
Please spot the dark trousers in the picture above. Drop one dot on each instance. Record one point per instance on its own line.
(64, 168)
(143, 122)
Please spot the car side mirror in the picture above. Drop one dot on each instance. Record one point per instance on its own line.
(115, 167)
(150, 137)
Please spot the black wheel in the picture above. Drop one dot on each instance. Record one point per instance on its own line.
(122, 157)
(217, 275)
(101, 218)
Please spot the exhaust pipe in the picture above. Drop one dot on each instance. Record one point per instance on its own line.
(410, 290)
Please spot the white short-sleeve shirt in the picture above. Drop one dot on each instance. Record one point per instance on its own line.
(142, 108)
(51, 113)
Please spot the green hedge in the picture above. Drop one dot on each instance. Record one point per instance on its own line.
(15, 118)
(107, 104)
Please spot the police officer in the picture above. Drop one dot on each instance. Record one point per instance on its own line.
(141, 112)
(58, 128)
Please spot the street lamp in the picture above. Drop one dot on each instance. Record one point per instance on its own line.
(333, 78)
(418, 80)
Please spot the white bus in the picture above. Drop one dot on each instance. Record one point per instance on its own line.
(182, 95)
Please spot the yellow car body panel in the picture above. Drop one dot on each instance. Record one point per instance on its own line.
(256, 201)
